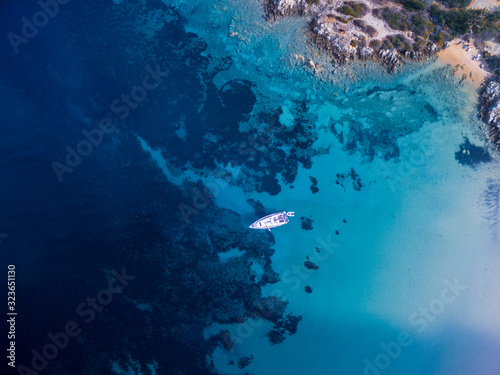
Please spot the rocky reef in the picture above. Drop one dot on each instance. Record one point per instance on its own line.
(280, 8)
(310, 265)
(490, 111)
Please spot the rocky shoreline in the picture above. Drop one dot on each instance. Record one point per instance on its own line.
(386, 32)
(489, 111)
(364, 35)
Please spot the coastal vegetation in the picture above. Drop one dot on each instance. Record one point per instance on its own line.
(421, 27)
(400, 42)
(394, 18)
(417, 23)
(439, 24)
(368, 29)
(413, 5)
(460, 21)
(456, 3)
(354, 9)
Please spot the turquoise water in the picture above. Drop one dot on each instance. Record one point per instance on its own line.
(396, 200)
(416, 259)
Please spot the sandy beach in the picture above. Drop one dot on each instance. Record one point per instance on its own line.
(485, 4)
(463, 63)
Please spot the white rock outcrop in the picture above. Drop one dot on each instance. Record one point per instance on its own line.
(490, 111)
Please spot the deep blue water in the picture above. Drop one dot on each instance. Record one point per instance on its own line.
(74, 222)
(113, 210)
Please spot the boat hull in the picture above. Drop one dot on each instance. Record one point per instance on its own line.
(271, 221)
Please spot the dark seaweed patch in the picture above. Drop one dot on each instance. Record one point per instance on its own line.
(285, 325)
(237, 97)
(356, 180)
(307, 223)
(314, 187)
(270, 184)
(245, 361)
(472, 155)
(432, 111)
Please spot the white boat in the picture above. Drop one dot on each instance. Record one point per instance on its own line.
(272, 221)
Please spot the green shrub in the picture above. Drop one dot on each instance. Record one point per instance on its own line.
(419, 44)
(439, 38)
(395, 42)
(376, 44)
(360, 23)
(312, 1)
(493, 21)
(400, 42)
(421, 24)
(386, 44)
(456, 3)
(371, 31)
(394, 18)
(413, 5)
(461, 21)
(354, 9)
(494, 64)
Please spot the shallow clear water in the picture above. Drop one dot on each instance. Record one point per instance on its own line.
(398, 210)
(419, 223)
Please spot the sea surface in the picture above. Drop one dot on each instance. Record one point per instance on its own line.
(141, 138)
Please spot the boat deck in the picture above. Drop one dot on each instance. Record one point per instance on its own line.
(271, 221)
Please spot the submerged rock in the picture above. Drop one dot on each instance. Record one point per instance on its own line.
(307, 223)
(310, 265)
(314, 187)
(245, 361)
(283, 327)
(308, 289)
